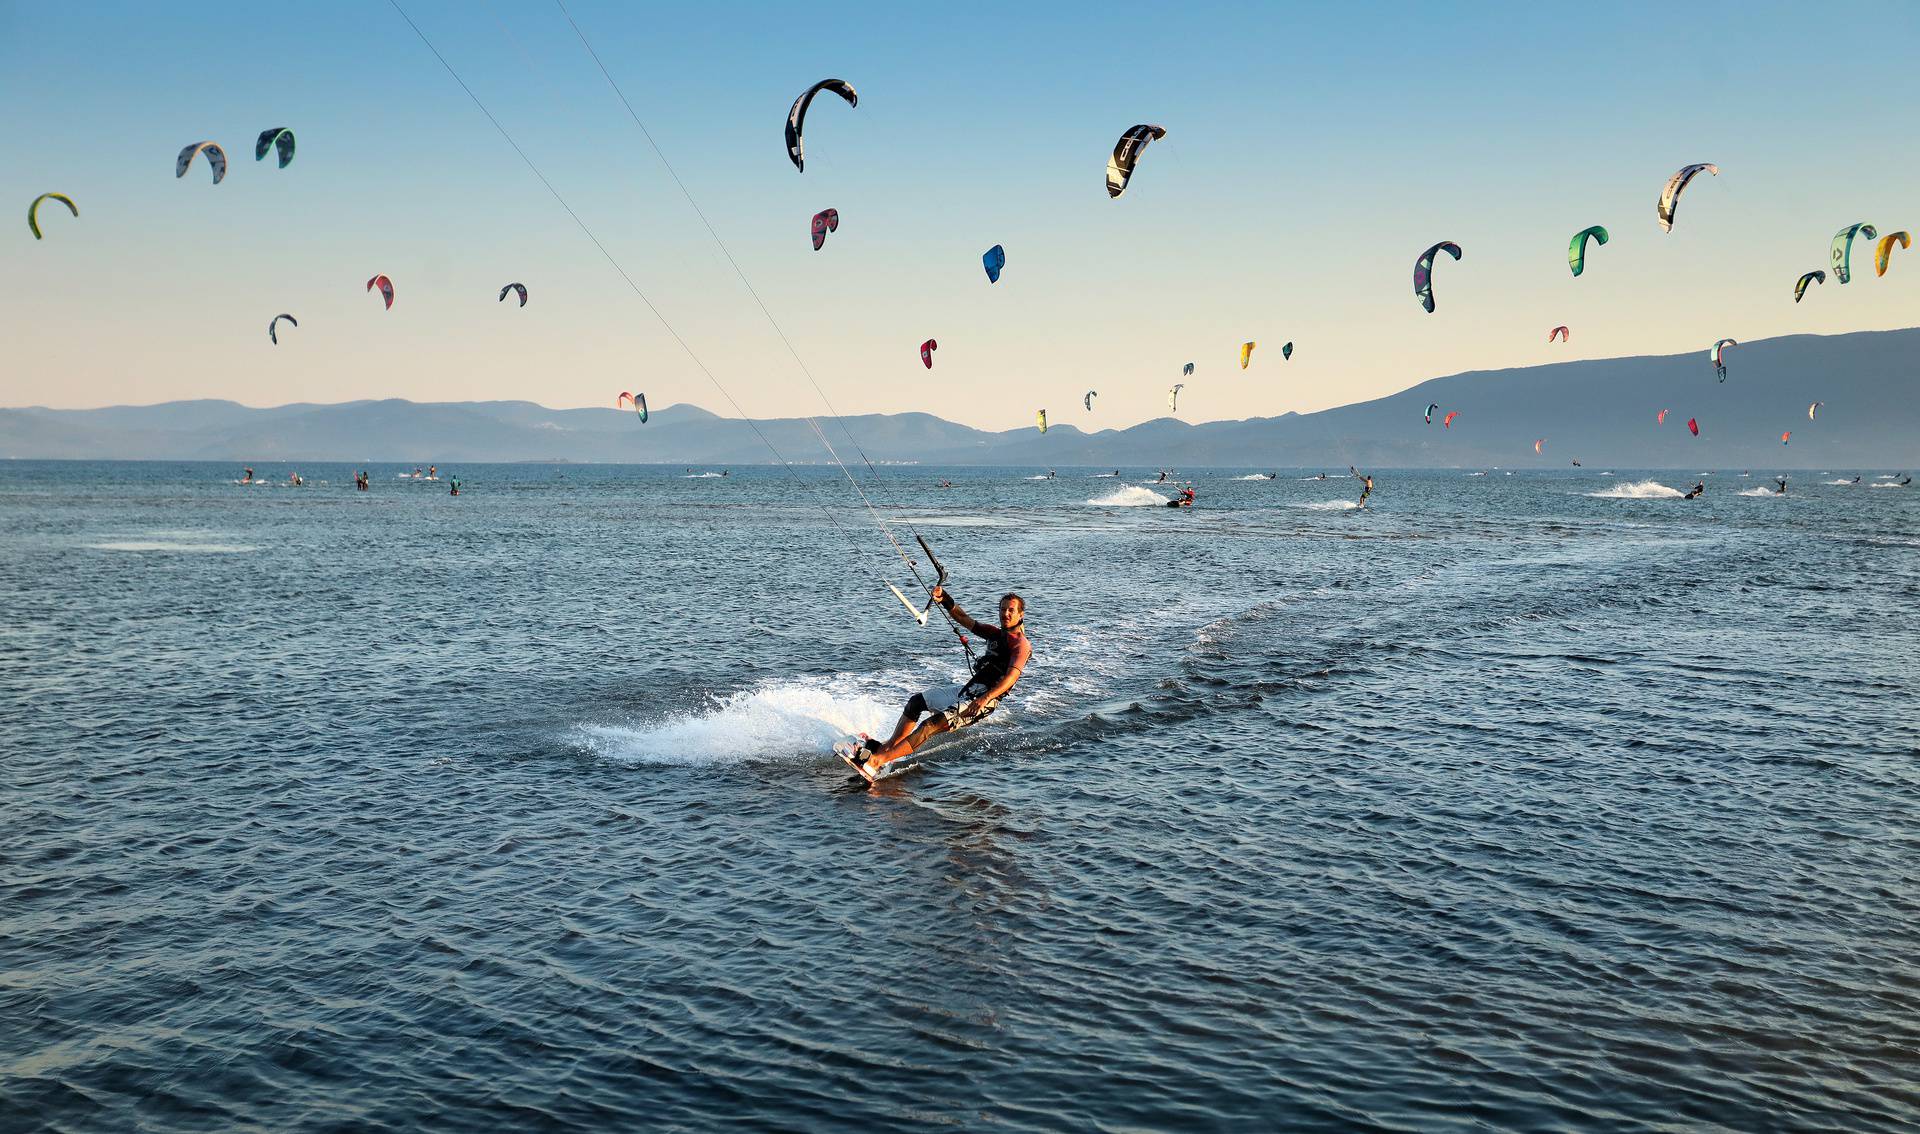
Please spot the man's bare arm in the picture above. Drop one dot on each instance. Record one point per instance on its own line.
(941, 596)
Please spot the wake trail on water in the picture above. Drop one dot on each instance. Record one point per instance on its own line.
(1132, 496)
(1254, 476)
(1758, 492)
(1638, 490)
(796, 721)
(1330, 505)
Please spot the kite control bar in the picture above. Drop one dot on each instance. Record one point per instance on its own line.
(939, 568)
(920, 613)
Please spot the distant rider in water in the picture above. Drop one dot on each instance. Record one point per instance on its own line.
(1367, 480)
(955, 706)
(1699, 488)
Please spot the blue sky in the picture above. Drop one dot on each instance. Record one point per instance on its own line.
(1311, 154)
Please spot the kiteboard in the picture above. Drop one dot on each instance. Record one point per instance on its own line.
(854, 754)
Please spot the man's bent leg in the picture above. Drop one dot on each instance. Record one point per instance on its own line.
(910, 715)
(933, 726)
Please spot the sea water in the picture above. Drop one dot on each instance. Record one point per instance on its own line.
(1531, 801)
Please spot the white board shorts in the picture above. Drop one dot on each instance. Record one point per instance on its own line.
(945, 698)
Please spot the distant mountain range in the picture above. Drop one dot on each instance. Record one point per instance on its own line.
(1600, 412)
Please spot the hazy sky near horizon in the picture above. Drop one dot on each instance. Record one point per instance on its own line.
(1310, 156)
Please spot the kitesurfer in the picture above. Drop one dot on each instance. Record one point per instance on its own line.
(956, 706)
(1367, 481)
(1856, 480)
(1906, 481)
(456, 487)
(247, 478)
(946, 484)
(1184, 500)
(1782, 490)
(1162, 479)
(294, 480)
(1699, 488)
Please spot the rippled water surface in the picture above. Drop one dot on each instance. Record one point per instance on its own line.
(1519, 802)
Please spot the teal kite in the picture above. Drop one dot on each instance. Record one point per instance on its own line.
(1423, 272)
(1841, 252)
(1577, 247)
(279, 138)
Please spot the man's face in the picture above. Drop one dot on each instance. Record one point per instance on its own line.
(1011, 613)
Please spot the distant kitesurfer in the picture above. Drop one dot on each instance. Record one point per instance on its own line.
(956, 706)
(1699, 488)
(248, 478)
(1162, 478)
(456, 487)
(1184, 500)
(1364, 492)
(1906, 481)
(294, 480)
(946, 484)
(1782, 490)
(1856, 480)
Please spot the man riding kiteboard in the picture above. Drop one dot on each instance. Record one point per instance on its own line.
(953, 706)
